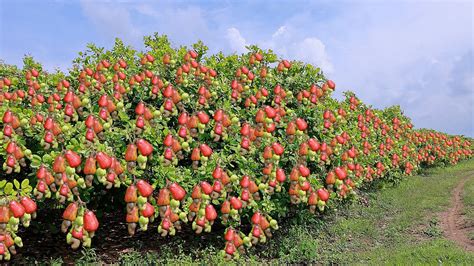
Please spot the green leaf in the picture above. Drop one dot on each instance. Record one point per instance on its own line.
(3, 183)
(35, 161)
(123, 116)
(8, 188)
(17, 184)
(47, 158)
(25, 183)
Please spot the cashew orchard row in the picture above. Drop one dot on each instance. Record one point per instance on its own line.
(180, 137)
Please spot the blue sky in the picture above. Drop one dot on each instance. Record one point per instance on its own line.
(418, 54)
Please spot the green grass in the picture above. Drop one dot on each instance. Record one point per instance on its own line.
(400, 226)
(468, 198)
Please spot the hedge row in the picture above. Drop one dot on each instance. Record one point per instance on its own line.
(180, 137)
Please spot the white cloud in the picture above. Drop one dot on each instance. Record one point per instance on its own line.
(408, 57)
(313, 50)
(183, 24)
(236, 41)
(111, 19)
(286, 43)
(281, 30)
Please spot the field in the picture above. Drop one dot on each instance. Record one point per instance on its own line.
(386, 225)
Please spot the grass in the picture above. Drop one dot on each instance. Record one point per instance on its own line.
(468, 200)
(395, 225)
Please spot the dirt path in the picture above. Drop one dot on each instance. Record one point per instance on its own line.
(455, 227)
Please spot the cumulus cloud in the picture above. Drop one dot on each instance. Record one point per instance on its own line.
(416, 57)
(307, 49)
(461, 77)
(236, 41)
(286, 44)
(313, 50)
(111, 19)
(184, 24)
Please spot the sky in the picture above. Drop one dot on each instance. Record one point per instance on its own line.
(416, 54)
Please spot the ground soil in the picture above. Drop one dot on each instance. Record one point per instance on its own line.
(453, 222)
(110, 241)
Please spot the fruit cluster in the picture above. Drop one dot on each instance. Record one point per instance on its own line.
(181, 138)
(12, 212)
(83, 225)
